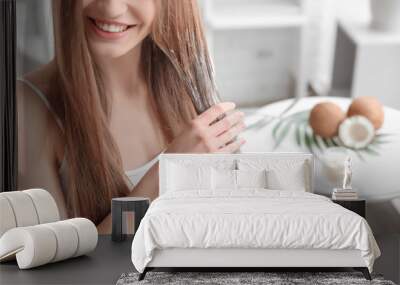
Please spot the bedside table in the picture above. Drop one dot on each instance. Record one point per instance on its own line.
(357, 206)
(120, 208)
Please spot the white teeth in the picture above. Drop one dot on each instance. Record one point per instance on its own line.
(111, 28)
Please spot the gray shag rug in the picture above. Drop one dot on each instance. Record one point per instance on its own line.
(231, 278)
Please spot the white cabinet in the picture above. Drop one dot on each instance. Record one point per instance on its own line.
(258, 48)
(367, 63)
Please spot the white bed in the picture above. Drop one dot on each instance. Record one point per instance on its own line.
(197, 224)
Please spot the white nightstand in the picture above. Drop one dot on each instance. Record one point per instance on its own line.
(258, 48)
(367, 63)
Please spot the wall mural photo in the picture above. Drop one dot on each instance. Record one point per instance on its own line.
(120, 113)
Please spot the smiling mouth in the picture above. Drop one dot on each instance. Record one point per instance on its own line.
(110, 27)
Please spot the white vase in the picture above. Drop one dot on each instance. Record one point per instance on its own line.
(385, 15)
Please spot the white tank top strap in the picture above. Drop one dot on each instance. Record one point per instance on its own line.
(136, 175)
(44, 99)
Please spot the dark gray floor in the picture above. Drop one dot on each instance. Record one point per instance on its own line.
(103, 266)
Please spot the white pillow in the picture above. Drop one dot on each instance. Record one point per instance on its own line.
(290, 179)
(227, 179)
(282, 173)
(224, 179)
(188, 177)
(251, 178)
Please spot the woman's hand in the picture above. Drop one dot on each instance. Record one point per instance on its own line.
(202, 137)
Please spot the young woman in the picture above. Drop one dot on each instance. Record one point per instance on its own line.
(130, 79)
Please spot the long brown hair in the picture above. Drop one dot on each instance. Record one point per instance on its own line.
(179, 75)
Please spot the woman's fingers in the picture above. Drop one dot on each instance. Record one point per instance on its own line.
(199, 136)
(230, 134)
(227, 123)
(214, 112)
(232, 147)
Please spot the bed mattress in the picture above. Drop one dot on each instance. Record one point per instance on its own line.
(250, 219)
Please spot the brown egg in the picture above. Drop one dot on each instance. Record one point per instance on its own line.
(325, 119)
(369, 107)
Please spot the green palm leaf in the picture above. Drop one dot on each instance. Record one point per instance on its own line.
(283, 127)
(334, 142)
(371, 151)
(327, 142)
(277, 127)
(337, 141)
(358, 153)
(316, 141)
(379, 142)
(298, 134)
(383, 135)
(281, 135)
(308, 139)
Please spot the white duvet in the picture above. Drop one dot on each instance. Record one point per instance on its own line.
(250, 218)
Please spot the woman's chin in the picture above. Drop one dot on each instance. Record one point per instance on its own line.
(109, 52)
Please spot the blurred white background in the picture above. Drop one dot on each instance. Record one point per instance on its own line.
(263, 48)
(269, 50)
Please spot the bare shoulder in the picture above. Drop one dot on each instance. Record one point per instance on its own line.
(39, 78)
(36, 123)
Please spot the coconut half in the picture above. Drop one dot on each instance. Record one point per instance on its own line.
(356, 132)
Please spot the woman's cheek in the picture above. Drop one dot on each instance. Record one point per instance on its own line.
(149, 12)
